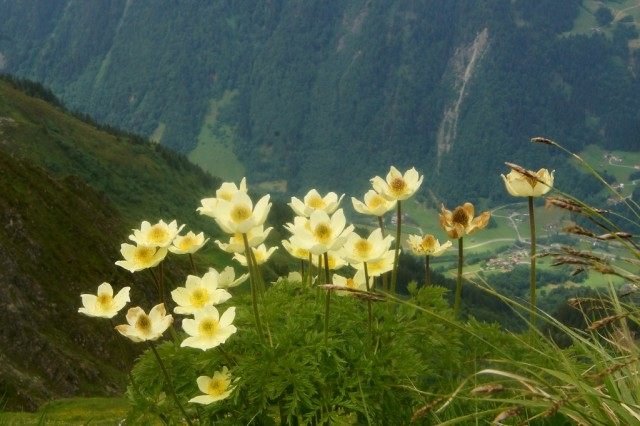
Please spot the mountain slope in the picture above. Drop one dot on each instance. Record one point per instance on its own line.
(311, 94)
(69, 195)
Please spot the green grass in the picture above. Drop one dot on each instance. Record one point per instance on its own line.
(214, 151)
(594, 155)
(586, 23)
(72, 411)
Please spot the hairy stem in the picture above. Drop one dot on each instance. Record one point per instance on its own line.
(458, 297)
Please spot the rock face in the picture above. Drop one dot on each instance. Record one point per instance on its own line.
(50, 252)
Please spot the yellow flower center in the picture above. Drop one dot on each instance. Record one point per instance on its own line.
(225, 195)
(460, 216)
(376, 201)
(398, 185)
(316, 202)
(322, 233)
(351, 283)
(143, 255)
(186, 243)
(199, 297)
(362, 248)
(208, 327)
(158, 234)
(218, 386)
(332, 262)
(143, 324)
(104, 301)
(240, 213)
(428, 243)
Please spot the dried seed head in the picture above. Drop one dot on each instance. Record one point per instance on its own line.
(614, 235)
(487, 389)
(506, 414)
(540, 139)
(605, 321)
(578, 230)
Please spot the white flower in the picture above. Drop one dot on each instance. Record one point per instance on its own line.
(321, 233)
(187, 244)
(377, 267)
(104, 304)
(137, 258)
(227, 278)
(374, 204)
(427, 245)
(225, 192)
(314, 201)
(207, 329)
(292, 277)
(398, 186)
(255, 237)
(142, 327)
(355, 283)
(295, 251)
(357, 249)
(214, 388)
(160, 234)
(532, 184)
(199, 293)
(260, 253)
(238, 215)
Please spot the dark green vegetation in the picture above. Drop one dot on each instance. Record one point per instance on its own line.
(69, 194)
(315, 93)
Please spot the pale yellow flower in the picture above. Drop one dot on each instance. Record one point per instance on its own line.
(314, 201)
(260, 253)
(461, 221)
(188, 244)
(427, 245)
(292, 277)
(377, 267)
(321, 232)
(225, 192)
(374, 204)
(355, 283)
(335, 261)
(137, 258)
(398, 186)
(208, 329)
(214, 388)
(255, 237)
(532, 184)
(160, 234)
(227, 278)
(238, 215)
(199, 293)
(295, 251)
(357, 249)
(104, 304)
(142, 327)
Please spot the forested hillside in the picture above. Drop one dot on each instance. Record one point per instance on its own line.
(69, 195)
(300, 94)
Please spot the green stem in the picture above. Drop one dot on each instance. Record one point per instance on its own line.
(310, 271)
(170, 384)
(394, 273)
(532, 277)
(369, 307)
(427, 271)
(193, 265)
(385, 276)
(327, 299)
(254, 289)
(458, 298)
